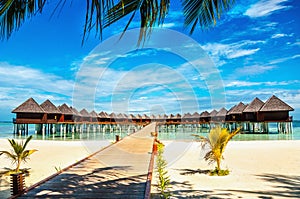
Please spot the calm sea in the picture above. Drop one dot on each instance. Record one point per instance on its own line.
(6, 131)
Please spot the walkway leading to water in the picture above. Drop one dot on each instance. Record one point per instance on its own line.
(118, 171)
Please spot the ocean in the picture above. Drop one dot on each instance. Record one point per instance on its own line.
(180, 133)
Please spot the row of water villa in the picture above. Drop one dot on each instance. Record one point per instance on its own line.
(254, 117)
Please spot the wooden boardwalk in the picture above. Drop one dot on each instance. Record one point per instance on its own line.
(118, 171)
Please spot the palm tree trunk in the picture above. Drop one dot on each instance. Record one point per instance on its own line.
(218, 165)
(18, 165)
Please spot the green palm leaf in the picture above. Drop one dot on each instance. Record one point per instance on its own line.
(217, 141)
(100, 14)
(14, 12)
(18, 153)
(204, 12)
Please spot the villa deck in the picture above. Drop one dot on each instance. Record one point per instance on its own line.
(118, 171)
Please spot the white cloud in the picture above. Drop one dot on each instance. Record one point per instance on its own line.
(237, 83)
(279, 35)
(275, 36)
(265, 8)
(283, 59)
(242, 53)
(25, 77)
(18, 83)
(220, 52)
(252, 70)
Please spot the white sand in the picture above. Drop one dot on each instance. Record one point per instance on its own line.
(51, 155)
(259, 169)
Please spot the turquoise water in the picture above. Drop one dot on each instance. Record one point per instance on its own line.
(180, 133)
(185, 133)
(6, 131)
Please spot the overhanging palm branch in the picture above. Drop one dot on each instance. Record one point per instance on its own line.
(102, 13)
(14, 12)
(204, 12)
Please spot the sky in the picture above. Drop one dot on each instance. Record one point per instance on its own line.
(253, 51)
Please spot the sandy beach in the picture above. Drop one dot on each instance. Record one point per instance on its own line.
(51, 155)
(259, 169)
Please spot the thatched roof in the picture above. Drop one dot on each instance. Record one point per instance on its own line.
(213, 113)
(144, 116)
(222, 113)
(131, 116)
(178, 116)
(84, 113)
(103, 114)
(93, 114)
(204, 114)
(237, 109)
(75, 112)
(49, 107)
(171, 116)
(254, 106)
(29, 106)
(196, 115)
(187, 115)
(152, 117)
(275, 104)
(65, 109)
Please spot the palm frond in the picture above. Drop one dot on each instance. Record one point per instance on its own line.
(151, 12)
(26, 142)
(204, 12)
(14, 12)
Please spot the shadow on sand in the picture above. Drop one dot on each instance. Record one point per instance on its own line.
(106, 182)
(281, 186)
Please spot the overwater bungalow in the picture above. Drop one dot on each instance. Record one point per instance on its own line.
(204, 117)
(67, 114)
(254, 117)
(236, 112)
(112, 116)
(85, 116)
(103, 117)
(131, 118)
(177, 118)
(251, 111)
(221, 116)
(53, 114)
(152, 118)
(212, 115)
(187, 118)
(30, 112)
(195, 117)
(274, 110)
(77, 117)
(94, 116)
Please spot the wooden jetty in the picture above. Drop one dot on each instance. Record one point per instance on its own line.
(122, 170)
(254, 117)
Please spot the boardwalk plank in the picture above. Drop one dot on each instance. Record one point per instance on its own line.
(119, 171)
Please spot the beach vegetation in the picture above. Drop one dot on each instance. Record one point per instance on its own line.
(216, 141)
(104, 13)
(18, 154)
(164, 184)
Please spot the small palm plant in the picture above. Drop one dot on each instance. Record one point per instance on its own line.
(18, 153)
(217, 141)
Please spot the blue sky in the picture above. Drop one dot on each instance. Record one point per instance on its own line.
(255, 49)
